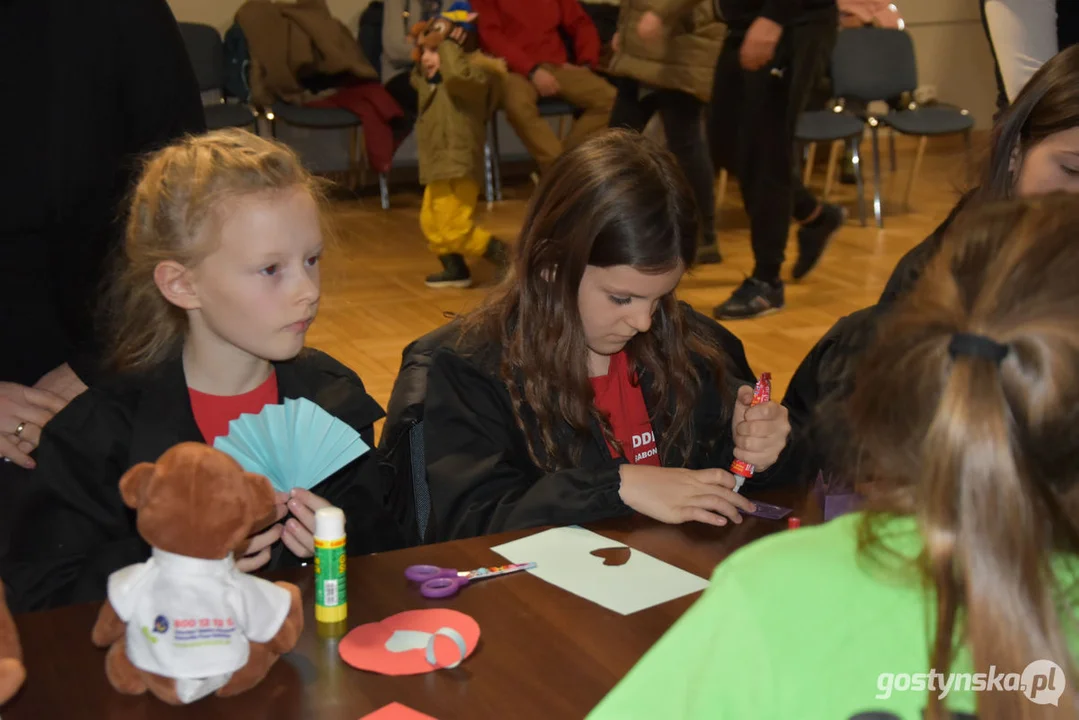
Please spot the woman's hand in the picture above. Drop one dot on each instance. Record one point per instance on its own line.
(24, 412)
(299, 535)
(677, 495)
(257, 551)
(760, 431)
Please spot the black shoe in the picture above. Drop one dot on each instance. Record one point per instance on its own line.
(813, 238)
(454, 274)
(498, 254)
(709, 254)
(754, 298)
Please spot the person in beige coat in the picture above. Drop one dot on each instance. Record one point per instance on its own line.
(665, 53)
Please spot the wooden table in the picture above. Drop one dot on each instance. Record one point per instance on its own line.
(543, 652)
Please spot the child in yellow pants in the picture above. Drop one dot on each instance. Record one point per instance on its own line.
(457, 94)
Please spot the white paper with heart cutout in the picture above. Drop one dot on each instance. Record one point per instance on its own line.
(563, 557)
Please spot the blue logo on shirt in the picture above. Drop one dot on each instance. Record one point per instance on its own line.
(161, 624)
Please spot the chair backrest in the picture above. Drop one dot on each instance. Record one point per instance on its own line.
(207, 54)
(420, 490)
(873, 64)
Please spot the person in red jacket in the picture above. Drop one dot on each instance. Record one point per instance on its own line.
(529, 36)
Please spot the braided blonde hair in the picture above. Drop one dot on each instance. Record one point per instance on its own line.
(182, 188)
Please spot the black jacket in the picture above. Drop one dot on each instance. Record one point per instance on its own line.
(398, 446)
(740, 14)
(910, 266)
(826, 374)
(75, 529)
(89, 86)
(482, 479)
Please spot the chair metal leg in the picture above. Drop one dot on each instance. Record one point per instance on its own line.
(496, 160)
(829, 174)
(811, 155)
(969, 148)
(891, 146)
(877, 212)
(384, 191)
(856, 160)
(922, 142)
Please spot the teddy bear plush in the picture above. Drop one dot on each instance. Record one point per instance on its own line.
(12, 672)
(187, 623)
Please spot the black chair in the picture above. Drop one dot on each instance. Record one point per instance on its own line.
(831, 126)
(875, 64)
(207, 55)
(330, 119)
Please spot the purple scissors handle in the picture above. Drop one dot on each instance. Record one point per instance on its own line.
(442, 587)
(438, 582)
(423, 573)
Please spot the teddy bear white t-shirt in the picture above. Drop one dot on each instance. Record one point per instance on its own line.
(191, 619)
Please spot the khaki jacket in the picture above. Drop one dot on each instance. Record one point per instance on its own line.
(291, 41)
(451, 130)
(684, 58)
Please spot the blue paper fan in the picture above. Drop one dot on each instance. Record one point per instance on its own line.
(295, 444)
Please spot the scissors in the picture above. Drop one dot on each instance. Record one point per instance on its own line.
(436, 582)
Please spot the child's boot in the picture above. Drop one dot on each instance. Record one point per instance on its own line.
(454, 273)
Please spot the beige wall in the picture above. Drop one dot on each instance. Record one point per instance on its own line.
(953, 53)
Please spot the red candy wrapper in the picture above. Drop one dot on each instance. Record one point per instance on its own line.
(762, 393)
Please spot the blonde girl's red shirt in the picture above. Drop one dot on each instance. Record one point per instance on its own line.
(213, 413)
(619, 395)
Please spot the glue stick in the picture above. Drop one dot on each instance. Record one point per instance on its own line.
(762, 393)
(331, 601)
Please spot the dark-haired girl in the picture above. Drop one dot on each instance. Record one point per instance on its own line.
(1034, 151)
(582, 389)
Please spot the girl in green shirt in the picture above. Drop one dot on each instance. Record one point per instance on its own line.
(954, 593)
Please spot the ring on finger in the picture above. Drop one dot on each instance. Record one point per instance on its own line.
(19, 429)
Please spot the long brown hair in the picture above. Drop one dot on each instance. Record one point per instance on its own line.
(1047, 104)
(984, 455)
(617, 199)
(181, 189)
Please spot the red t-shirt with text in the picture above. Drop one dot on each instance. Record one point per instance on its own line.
(619, 395)
(213, 413)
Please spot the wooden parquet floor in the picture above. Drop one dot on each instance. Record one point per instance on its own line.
(375, 302)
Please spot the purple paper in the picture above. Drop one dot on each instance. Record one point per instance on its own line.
(769, 511)
(836, 505)
(835, 497)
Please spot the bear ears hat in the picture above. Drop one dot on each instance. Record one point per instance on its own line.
(430, 33)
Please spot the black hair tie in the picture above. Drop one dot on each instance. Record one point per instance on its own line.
(977, 346)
